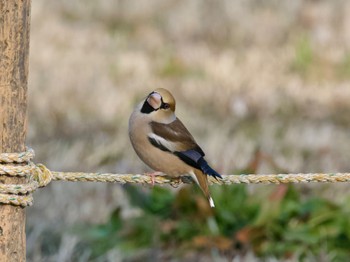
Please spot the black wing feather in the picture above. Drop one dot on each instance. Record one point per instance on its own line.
(196, 160)
(158, 145)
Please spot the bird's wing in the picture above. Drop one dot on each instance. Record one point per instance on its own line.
(176, 139)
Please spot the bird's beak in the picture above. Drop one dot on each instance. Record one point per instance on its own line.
(154, 100)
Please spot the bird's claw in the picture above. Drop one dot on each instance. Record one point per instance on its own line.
(153, 177)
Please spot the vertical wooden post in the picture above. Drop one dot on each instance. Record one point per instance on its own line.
(14, 49)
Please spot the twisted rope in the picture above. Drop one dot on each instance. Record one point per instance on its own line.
(226, 179)
(19, 164)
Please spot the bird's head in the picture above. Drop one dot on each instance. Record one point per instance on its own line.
(160, 104)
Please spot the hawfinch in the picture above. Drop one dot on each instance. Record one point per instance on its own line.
(162, 141)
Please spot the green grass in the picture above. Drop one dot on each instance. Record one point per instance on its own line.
(304, 56)
(278, 224)
(344, 67)
(174, 67)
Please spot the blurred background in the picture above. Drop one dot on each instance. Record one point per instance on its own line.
(264, 87)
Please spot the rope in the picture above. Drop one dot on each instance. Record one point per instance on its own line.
(19, 164)
(226, 179)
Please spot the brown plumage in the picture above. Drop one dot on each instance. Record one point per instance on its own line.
(162, 141)
(176, 132)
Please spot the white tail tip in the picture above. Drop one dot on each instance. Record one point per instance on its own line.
(211, 202)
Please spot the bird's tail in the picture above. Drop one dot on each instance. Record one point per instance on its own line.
(202, 181)
(207, 169)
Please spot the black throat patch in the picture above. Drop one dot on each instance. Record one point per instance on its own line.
(146, 108)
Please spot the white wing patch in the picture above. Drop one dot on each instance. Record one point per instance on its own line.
(171, 146)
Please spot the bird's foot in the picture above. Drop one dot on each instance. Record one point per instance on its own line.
(153, 176)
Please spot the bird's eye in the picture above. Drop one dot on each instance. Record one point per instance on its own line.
(166, 106)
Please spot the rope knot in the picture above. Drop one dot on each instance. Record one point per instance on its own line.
(42, 175)
(20, 165)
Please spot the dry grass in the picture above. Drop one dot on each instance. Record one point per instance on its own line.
(245, 74)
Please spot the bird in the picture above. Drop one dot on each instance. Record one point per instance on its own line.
(163, 142)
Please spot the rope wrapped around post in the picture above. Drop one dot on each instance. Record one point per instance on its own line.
(20, 164)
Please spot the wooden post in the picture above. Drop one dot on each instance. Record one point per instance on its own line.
(14, 49)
